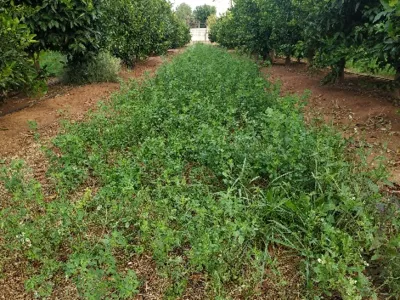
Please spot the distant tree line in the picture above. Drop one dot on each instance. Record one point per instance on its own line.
(198, 17)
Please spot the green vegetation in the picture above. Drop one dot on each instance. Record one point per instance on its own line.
(101, 68)
(53, 63)
(68, 26)
(327, 33)
(202, 12)
(204, 167)
(81, 31)
(368, 66)
(184, 13)
(16, 68)
(136, 28)
(197, 18)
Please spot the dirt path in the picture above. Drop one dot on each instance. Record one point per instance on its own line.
(357, 107)
(62, 102)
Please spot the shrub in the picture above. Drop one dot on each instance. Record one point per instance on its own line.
(224, 33)
(370, 66)
(16, 68)
(101, 68)
(181, 33)
(127, 34)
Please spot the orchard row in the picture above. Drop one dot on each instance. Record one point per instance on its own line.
(81, 29)
(328, 33)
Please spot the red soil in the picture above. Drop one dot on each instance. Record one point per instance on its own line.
(359, 106)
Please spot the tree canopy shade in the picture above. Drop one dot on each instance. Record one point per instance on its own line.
(201, 13)
(383, 31)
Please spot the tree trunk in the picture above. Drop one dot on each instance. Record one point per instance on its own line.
(310, 57)
(267, 56)
(272, 56)
(396, 93)
(36, 63)
(287, 61)
(397, 76)
(341, 65)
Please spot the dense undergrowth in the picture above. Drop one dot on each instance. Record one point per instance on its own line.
(205, 167)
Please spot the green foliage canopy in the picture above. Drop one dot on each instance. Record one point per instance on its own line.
(184, 13)
(16, 68)
(202, 12)
(69, 26)
(134, 29)
(327, 32)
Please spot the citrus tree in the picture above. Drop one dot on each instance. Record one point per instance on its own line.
(246, 26)
(384, 34)
(282, 18)
(16, 68)
(327, 32)
(335, 24)
(221, 31)
(134, 29)
(69, 26)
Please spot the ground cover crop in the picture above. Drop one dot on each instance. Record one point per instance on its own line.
(206, 168)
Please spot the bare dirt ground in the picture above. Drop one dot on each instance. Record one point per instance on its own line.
(359, 107)
(61, 102)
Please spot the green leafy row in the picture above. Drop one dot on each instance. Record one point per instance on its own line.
(328, 33)
(81, 29)
(205, 167)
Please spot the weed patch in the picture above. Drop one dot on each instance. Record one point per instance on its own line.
(207, 168)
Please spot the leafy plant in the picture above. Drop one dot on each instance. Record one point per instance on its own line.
(327, 33)
(181, 33)
(135, 29)
(53, 62)
(16, 68)
(101, 68)
(202, 12)
(205, 167)
(184, 13)
(68, 26)
(246, 26)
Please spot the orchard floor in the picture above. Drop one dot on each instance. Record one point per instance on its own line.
(18, 141)
(359, 107)
(356, 106)
(61, 102)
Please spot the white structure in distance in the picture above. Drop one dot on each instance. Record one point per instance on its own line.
(199, 35)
